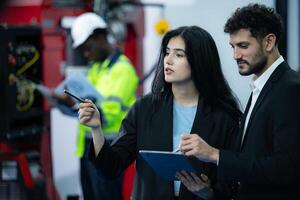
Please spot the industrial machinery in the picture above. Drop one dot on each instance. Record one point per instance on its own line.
(34, 48)
(20, 106)
(22, 115)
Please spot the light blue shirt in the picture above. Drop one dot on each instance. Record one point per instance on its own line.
(183, 118)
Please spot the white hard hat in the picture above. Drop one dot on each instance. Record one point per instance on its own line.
(84, 26)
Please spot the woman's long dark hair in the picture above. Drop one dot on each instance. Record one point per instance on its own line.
(203, 57)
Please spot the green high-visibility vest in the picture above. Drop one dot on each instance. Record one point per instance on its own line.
(117, 85)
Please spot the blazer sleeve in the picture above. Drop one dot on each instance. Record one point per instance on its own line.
(113, 160)
(281, 166)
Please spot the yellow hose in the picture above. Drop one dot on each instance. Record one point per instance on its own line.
(29, 63)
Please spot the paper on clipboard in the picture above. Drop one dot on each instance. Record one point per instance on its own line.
(45, 91)
(75, 83)
(79, 85)
(166, 164)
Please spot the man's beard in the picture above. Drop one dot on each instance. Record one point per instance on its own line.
(254, 68)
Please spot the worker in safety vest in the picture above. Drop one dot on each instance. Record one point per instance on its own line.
(115, 79)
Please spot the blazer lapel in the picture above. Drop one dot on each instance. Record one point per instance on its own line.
(202, 123)
(242, 125)
(266, 89)
(166, 128)
(161, 126)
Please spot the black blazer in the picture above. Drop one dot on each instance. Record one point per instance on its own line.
(267, 165)
(144, 129)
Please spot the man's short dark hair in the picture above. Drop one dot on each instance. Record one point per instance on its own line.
(260, 20)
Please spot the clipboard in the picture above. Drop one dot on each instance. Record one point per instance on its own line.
(166, 164)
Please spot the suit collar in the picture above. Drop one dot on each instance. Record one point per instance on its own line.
(274, 78)
(277, 74)
(260, 81)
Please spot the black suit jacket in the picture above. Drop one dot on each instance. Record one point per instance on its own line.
(146, 129)
(267, 164)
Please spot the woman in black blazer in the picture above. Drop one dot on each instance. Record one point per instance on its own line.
(189, 94)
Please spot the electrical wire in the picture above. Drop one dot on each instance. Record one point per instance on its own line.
(29, 63)
(25, 95)
(25, 90)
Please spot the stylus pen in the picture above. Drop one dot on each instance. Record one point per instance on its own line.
(176, 150)
(74, 96)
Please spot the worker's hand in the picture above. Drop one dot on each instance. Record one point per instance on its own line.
(194, 145)
(63, 99)
(192, 181)
(89, 114)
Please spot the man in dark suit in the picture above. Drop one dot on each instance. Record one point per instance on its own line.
(265, 162)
